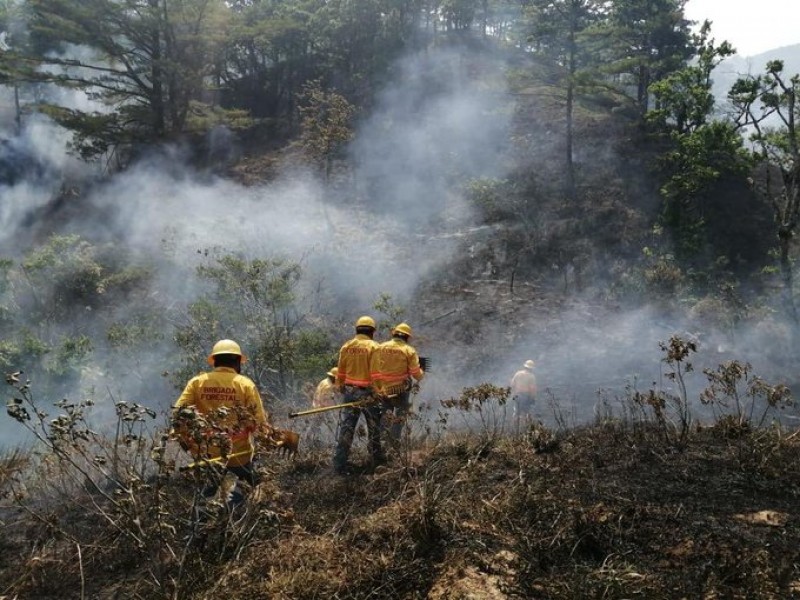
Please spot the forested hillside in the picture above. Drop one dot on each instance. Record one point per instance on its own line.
(560, 181)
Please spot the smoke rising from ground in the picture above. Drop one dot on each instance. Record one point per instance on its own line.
(397, 220)
(360, 240)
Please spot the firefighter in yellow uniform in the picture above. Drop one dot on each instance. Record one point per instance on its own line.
(523, 391)
(326, 392)
(218, 414)
(354, 381)
(395, 365)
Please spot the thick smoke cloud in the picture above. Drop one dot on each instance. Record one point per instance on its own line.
(434, 124)
(384, 234)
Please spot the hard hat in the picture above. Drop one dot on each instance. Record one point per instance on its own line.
(403, 328)
(333, 372)
(365, 322)
(529, 364)
(225, 347)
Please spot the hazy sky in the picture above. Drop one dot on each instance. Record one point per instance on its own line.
(751, 26)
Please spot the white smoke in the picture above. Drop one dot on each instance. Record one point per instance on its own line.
(386, 232)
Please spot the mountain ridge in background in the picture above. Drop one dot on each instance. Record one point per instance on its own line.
(729, 70)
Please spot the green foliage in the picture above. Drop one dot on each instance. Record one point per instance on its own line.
(67, 270)
(132, 333)
(61, 312)
(458, 14)
(255, 303)
(647, 40)
(698, 160)
(325, 122)
(10, 354)
(202, 118)
(683, 98)
(314, 353)
(147, 64)
(702, 152)
(71, 353)
(767, 104)
(387, 306)
(69, 275)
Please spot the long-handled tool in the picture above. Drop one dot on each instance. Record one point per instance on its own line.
(285, 441)
(205, 462)
(320, 409)
(374, 398)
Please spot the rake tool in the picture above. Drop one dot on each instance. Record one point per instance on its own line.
(425, 363)
(286, 442)
(393, 392)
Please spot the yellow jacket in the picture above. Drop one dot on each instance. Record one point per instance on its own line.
(231, 405)
(393, 363)
(325, 394)
(354, 361)
(523, 382)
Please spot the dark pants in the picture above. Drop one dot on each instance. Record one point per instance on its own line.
(396, 412)
(523, 406)
(236, 497)
(348, 420)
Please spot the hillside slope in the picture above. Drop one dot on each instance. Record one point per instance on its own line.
(608, 511)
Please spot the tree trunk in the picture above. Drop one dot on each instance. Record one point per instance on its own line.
(784, 238)
(17, 110)
(157, 73)
(572, 66)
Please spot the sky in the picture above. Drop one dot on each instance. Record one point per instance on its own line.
(751, 26)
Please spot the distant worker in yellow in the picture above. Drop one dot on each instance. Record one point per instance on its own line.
(354, 381)
(523, 391)
(326, 393)
(218, 414)
(395, 366)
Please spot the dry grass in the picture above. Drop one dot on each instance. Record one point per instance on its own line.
(606, 511)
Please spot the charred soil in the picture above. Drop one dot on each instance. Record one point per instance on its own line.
(610, 510)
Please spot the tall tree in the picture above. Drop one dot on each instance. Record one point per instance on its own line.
(767, 105)
(647, 40)
(146, 60)
(558, 28)
(326, 124)
(269, 56)
(15, 72)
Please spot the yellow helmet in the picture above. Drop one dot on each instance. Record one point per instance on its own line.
(365, 322)
(403, 328)
(333, 372)
(225, 347)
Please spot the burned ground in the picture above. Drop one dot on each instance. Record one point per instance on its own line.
(610, 510)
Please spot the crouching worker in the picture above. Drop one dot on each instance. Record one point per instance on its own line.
(326, 393)
(217, 416)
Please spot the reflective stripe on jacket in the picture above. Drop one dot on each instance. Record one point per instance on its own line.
(393, 363)
(354, 361)
(242, 410)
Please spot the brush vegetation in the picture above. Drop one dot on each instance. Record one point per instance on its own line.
(648, 500)
(618, 186)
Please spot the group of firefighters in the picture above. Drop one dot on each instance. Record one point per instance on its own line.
(220, 414)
